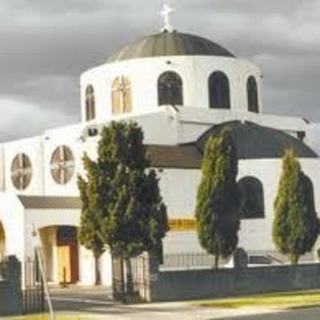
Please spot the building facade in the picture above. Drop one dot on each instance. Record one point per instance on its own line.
(181, 89)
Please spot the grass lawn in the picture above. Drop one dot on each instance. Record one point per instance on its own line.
(288, 300)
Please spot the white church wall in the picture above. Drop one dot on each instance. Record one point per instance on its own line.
(42, 218)
(311, 168)
(181, 243)
(195, 121)
(87, 268)
(144, 73)
(256, 234)
(153, 123)
(71, 137)
(12, 220)
(33, 148)
(179, 190)
(2, 168)
(313, 134)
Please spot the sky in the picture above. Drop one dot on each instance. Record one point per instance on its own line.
(46, 45)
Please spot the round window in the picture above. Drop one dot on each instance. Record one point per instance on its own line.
(62, 165)
(21, 171)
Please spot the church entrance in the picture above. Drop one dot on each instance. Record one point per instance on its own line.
(68, 255)
(60, 253)
(2, 241)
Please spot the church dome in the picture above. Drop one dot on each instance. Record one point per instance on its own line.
(253, 141)
(170, 44)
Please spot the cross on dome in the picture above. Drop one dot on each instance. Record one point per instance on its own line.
(166, 13)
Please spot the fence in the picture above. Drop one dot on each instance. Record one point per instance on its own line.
(10, 287)
(188, 261)
(191, 276)
(204, 284)
(139, 268)
(33, 292)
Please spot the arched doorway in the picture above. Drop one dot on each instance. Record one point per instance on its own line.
(60, 252)
(2, 241)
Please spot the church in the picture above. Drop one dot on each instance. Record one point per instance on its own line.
(181, 89)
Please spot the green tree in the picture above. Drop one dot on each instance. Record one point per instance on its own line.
(124, 192)
(90, 235)
(218, 198)
(295, 226)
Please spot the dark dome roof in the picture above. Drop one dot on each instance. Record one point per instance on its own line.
(170, 44)
(256, 142)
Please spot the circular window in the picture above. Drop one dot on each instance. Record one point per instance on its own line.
(62, 165)
(21, 171)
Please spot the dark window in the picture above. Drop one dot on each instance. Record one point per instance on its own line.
(309, 192)
(90, 104)
(251, 198)
(252, 92)
(301, 135)
(219, 91)
(170, 89)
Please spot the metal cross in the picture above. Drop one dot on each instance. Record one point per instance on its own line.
(166, 13)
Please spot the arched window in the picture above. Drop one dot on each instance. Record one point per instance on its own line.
(90, 103)
(121, 95)
(170, 89)
(219, 91)
(252, 92)
(251, 198)
(308, 191)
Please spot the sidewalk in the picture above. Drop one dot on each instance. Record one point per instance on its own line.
(97, 302)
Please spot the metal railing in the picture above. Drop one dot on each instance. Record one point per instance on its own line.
(33, 300)
(193, 260)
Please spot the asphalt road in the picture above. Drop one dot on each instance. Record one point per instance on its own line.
(302, 314)
(97, 303)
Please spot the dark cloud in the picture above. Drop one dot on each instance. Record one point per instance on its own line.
(45, 45)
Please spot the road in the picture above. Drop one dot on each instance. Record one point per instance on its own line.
(306, 314)
(98, 304)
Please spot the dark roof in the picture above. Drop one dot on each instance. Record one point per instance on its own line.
(253, 141)
(170, 44)
(43, 202)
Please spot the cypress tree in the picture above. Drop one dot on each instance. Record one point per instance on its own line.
(124, 192)
(295, 226)
(217, 199)
(90, 235)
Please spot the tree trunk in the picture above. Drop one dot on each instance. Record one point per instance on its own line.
(294, 259)
(122, 279)
(97, 269)
(216, 261)
(129, 282)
